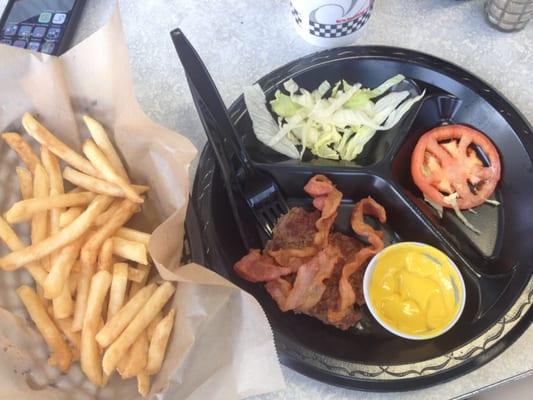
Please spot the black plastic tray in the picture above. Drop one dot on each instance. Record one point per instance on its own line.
(496, 264)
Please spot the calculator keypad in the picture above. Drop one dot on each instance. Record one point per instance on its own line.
(48, 47)
(19, 43)
(10, 30)
(45, 17)
(40, 33)
(25, 31)
(34, 46)
(59, 18)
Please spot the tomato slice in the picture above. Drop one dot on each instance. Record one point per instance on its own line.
(444, 162)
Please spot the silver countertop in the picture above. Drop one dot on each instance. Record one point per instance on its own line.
(241, 40)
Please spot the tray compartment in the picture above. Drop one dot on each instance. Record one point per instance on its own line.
(369, 341)
(482, 249)
(363, 72)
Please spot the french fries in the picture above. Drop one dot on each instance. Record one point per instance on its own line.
(119, 285)
(136, 286)
(82, 296)
(25, 183)
(148, 312)
(91, 301)
(90, 355)
(65, 236)
(56, 146)
(130, 250)
(137, 357)
(23, 149)
(74, 278)
(159, 342)
(62, 305)
(66, 217)
(39, 222)
(89, 252)
(114, 326)
(151, 328)
(97, 185)
(105, 256)
(23, 210)
(137, 275)
(12, 241)
(143, 384)
(102, 140)
(9, 236)
(104, 217)
(51, 165)
(54, 339)
(61, 268)
(65, 325)
(102, 164)
(134, 235)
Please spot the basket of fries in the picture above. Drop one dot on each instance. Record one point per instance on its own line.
(94, 301)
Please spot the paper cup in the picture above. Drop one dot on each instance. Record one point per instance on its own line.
(330, 23)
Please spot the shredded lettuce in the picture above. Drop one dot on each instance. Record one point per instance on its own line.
(452, 201)
(332, 122)
(494, 203)
(283, 105)
(438, 208)
(264, 125)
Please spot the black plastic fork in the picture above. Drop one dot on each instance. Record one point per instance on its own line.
(258, 189)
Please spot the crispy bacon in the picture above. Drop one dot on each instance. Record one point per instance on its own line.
(308, 285)
(295, 295)
(326, 199)
(255, 267)
(347, 295)
(292, 258)
(310, 270)
(279, 289)
(326, 260)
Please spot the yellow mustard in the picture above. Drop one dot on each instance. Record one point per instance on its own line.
(415, 289)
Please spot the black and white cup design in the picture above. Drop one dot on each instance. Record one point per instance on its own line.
(330, 22)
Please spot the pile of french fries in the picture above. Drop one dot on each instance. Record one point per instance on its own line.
(93, 298)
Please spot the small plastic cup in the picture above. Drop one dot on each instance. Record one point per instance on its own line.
(366, 291)
(330, 23)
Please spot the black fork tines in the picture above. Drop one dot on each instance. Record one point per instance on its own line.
(270, 216)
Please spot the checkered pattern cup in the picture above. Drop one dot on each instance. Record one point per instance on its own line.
(330, 23)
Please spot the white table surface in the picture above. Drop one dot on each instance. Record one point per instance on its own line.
(241, 40)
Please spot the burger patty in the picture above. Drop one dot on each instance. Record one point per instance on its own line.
(294, 230)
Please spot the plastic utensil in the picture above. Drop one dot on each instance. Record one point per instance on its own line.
(258, 189)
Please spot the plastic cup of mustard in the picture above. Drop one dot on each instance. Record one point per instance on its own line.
(414, 290)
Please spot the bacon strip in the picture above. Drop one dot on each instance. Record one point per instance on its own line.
(279, 289)
(292, 258)
(326, 199)
(304, 278)
(347, 297)
(327, 260)
(255, 267)
(308, 286)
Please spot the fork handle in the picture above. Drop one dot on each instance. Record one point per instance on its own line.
(213, 113)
